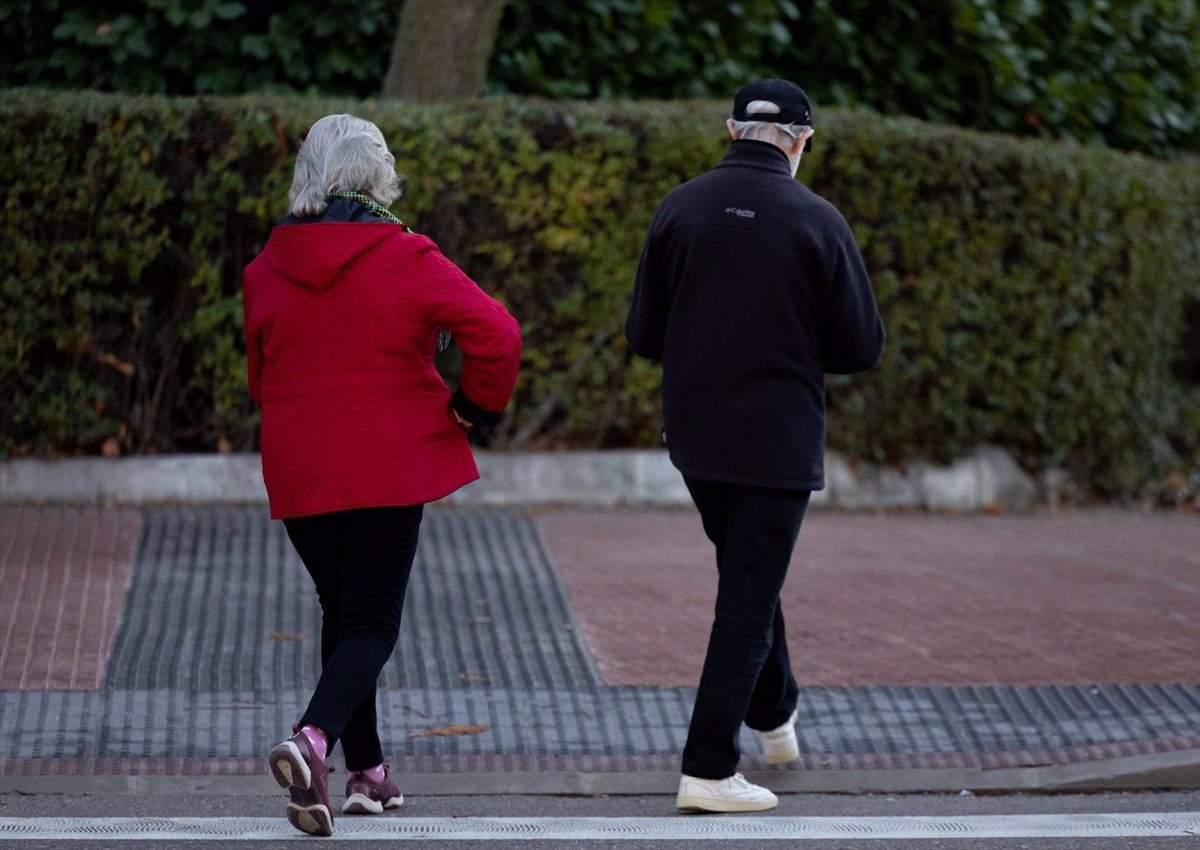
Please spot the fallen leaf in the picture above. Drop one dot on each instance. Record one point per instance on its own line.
(287, 635)
(449, 731)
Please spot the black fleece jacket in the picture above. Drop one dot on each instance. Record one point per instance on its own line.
(749, 289)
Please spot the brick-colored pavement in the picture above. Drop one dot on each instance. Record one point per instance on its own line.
(1080, 597)
(197, 684)
(64, 572)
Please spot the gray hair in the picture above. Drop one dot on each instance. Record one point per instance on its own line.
(767, 131)
(342, 153)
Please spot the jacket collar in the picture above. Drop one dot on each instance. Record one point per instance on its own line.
(749, 153)
(338, 209)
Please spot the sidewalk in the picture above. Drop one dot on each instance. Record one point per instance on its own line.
(556, 649)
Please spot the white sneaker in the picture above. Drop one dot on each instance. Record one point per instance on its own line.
(779, 746)
(734, 794)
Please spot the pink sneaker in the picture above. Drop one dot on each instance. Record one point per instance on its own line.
(367, 797)
(296, 767)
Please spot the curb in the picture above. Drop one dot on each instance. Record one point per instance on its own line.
(1175, 771)
(986, 479)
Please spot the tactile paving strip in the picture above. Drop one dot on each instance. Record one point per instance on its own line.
(220, 602)
(870, 724)
(217, 654)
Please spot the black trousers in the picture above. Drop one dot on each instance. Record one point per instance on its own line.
(747, 676)
(360, 562)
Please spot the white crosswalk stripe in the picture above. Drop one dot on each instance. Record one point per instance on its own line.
(710, 828)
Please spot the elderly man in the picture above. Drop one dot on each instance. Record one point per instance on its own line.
(749, 289)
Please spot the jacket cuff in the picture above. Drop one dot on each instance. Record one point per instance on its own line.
(472, 412)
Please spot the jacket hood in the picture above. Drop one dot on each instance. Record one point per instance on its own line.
(313, 255)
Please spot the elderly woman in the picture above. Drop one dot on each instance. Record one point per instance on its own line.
(344, 310)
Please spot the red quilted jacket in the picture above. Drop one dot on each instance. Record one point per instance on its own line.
(341, 327)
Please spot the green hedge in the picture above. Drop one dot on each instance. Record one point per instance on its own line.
(1035, 294)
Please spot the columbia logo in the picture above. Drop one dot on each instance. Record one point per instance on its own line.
(740, 213)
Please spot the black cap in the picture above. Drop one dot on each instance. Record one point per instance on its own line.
(793, 103)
